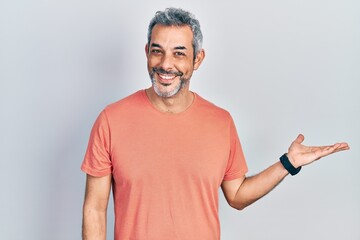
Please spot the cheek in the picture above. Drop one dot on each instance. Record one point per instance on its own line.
(153, 61)
(187, 69)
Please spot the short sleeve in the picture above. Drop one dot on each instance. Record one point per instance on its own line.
(97, 160)
(236, 166)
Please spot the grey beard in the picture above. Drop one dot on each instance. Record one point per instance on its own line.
(167, 94)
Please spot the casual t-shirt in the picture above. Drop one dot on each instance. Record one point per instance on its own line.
(166, 168)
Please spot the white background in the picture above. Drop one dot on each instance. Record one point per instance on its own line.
(280, 67)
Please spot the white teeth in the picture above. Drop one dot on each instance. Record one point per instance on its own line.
(167, 77)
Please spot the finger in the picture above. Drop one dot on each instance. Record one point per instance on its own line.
(338, 150)
(323, 152)
(326, 150)
(344, 145)
(341, 146)
(300, 138)
(321, 148)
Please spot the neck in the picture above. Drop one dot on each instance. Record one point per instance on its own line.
(175, 104)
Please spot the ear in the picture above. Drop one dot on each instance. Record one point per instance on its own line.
(146, 50)
(199, 58)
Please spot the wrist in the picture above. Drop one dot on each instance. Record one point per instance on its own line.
(292, 161)
(288, 165)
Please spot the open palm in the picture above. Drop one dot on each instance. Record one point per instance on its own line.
(301, 155)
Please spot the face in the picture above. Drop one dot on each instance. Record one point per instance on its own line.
(170, 59)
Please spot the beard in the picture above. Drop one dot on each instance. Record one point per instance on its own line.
(164, 93)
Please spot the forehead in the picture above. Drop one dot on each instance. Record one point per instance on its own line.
(172, 35)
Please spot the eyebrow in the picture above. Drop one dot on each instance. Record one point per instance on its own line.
(176, 48)
(155, 45)
(180, 48)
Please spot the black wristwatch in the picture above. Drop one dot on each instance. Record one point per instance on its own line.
(288, 166)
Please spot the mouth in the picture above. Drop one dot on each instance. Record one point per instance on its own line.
(166, 77)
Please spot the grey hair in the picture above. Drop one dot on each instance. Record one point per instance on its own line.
(178, 17)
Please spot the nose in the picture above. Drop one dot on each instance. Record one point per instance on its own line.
(167, 62)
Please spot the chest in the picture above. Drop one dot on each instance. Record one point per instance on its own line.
(170, 151)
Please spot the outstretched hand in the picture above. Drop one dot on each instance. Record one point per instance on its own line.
(300, 155)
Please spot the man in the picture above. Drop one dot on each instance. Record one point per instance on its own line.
(165, 150)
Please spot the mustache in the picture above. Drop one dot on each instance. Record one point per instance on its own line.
(163, 71)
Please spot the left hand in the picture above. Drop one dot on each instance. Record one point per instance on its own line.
(300, 155)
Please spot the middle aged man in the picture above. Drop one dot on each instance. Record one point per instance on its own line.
(166, 151)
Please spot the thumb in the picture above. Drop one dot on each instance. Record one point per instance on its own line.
(300, 138)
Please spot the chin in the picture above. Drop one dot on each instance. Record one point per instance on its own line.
(167, 91)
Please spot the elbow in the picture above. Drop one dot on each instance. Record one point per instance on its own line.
(238, 205)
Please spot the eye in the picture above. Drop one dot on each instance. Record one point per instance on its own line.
(180, 54)
(156, 51)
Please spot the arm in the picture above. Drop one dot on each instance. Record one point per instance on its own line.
(95, 207)
(242, 192)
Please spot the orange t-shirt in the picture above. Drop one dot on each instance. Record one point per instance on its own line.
(166, 168)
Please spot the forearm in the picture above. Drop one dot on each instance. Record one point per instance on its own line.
(94, 224)
(255, 187)
(242, 192)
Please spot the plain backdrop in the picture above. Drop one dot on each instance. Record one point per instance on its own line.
(280, 67)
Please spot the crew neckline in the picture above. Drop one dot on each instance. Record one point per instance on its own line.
(153, 108)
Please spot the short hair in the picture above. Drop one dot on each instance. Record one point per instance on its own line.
(178, 17)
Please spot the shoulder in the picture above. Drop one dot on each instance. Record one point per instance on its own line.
(126, 105)
(127, 108)
(129, 100)
(209, 108)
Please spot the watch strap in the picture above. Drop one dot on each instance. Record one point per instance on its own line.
(288, 166)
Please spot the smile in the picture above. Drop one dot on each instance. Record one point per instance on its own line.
(167, 76)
